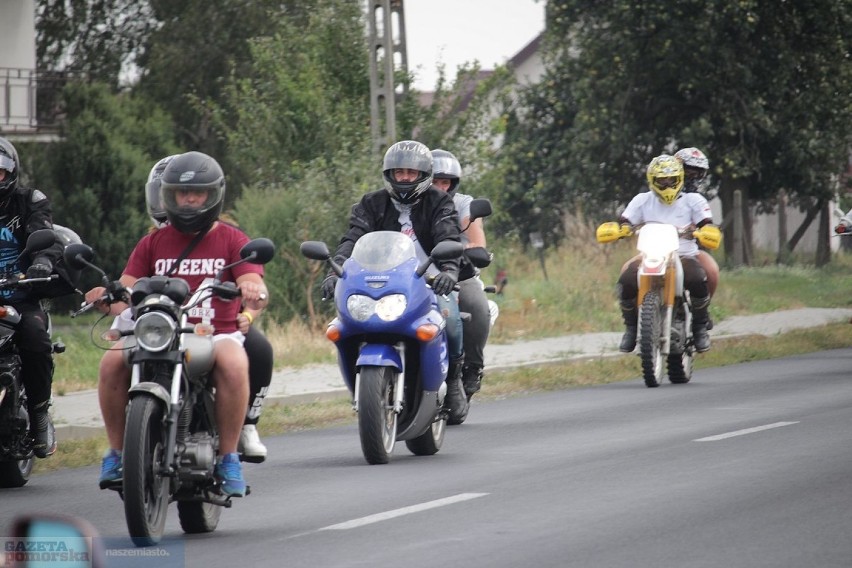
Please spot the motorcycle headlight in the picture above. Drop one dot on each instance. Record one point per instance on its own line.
(388, 308)
(391, 307)
(154, 331)
(360, 307)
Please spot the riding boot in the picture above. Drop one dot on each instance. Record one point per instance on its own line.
(455, 402)
(700, 318)
(42, 430)
(630, 316)
(471, 379)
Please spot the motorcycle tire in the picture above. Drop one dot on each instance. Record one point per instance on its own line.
(429, 442)
(680, 367)
(377, 421)
(650, 331)
(197, 517)
(15, 473)
(146, 492)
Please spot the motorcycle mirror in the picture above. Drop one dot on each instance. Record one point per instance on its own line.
(479, 257)
(73, 532)
(78, 256)
(447, 250)
(40, 240)
(480, 208)
(258, 251)
(315, 250)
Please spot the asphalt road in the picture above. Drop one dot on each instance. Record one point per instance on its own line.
(747, 466)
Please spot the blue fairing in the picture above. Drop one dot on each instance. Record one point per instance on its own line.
(383, 263)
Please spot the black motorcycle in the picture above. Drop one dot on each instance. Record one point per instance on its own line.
(16, 443)
(171, 437)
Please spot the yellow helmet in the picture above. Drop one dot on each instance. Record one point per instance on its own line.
(665, 177)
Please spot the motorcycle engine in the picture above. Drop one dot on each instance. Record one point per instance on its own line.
(198, 458)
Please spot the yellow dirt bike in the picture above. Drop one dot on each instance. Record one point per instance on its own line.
(665, 308)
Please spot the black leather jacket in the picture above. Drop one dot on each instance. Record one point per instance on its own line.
(26, 211)
(433, 218)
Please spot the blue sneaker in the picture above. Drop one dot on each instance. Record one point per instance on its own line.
(229, 472)
(110, 469)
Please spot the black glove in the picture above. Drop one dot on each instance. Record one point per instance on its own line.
(328, 286)
(443, 283)
(40, 268)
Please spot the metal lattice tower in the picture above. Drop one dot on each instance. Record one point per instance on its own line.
(388, 62)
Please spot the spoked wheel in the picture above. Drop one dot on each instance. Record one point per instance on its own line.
(146, 492)
(650, 331)
(430, 441)
(198, 517)
(15, 473)
(377, 422)
(680, 366)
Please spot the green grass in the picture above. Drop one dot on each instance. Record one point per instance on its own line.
(578, 296)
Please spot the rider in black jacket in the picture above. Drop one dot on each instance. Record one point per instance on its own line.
(411, 205)
(22, 212)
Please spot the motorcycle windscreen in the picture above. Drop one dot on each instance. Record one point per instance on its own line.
(383, 250)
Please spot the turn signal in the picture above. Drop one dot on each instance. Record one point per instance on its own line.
(332, 333)
(427, 332)
(111, 335)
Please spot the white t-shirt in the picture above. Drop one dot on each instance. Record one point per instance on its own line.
(688, 209)
(462, 203)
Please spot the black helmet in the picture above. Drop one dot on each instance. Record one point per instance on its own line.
(410, 155)
(9, 162)
(446, 166)
(193, 171)
(153, 195)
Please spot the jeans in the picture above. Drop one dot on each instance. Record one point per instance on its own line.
(449, 307)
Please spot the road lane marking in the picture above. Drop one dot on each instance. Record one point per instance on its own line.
(355, 523)
(744, 432)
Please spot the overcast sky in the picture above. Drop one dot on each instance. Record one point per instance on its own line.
(454, 32)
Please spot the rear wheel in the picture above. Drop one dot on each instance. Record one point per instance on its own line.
(146, 492)
(377, 422)
(15, 473)
(430, 441)
(198, 517)
(680, 367)
(650, 332)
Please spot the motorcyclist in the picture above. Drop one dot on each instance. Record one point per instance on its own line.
(193, 189)
(446, 176)
(667, 203)
(22, 212)
(695, 169)
(257, 346)
(410, 204)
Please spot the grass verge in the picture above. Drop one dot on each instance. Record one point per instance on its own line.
(280, 419)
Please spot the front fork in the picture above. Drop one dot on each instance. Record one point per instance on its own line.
(398, 387)
(646, 283)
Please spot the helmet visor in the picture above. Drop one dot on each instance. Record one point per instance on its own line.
(179, 198)
(666, 182)
(7, 163)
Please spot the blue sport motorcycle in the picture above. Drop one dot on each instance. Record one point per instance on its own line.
(391, 342)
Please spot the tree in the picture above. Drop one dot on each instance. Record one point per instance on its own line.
(629, 80)
(95, 175)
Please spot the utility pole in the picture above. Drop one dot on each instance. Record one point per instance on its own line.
(388, 61)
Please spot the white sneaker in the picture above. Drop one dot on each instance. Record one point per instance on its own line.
(250, 445)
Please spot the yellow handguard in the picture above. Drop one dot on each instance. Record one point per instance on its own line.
(708, 236)
(612, 231)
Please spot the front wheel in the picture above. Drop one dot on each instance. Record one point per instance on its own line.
(15, 473)
(377, 421)
(146, 492)
(650, 333)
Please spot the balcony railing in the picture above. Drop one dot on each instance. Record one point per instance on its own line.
(30, 101)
